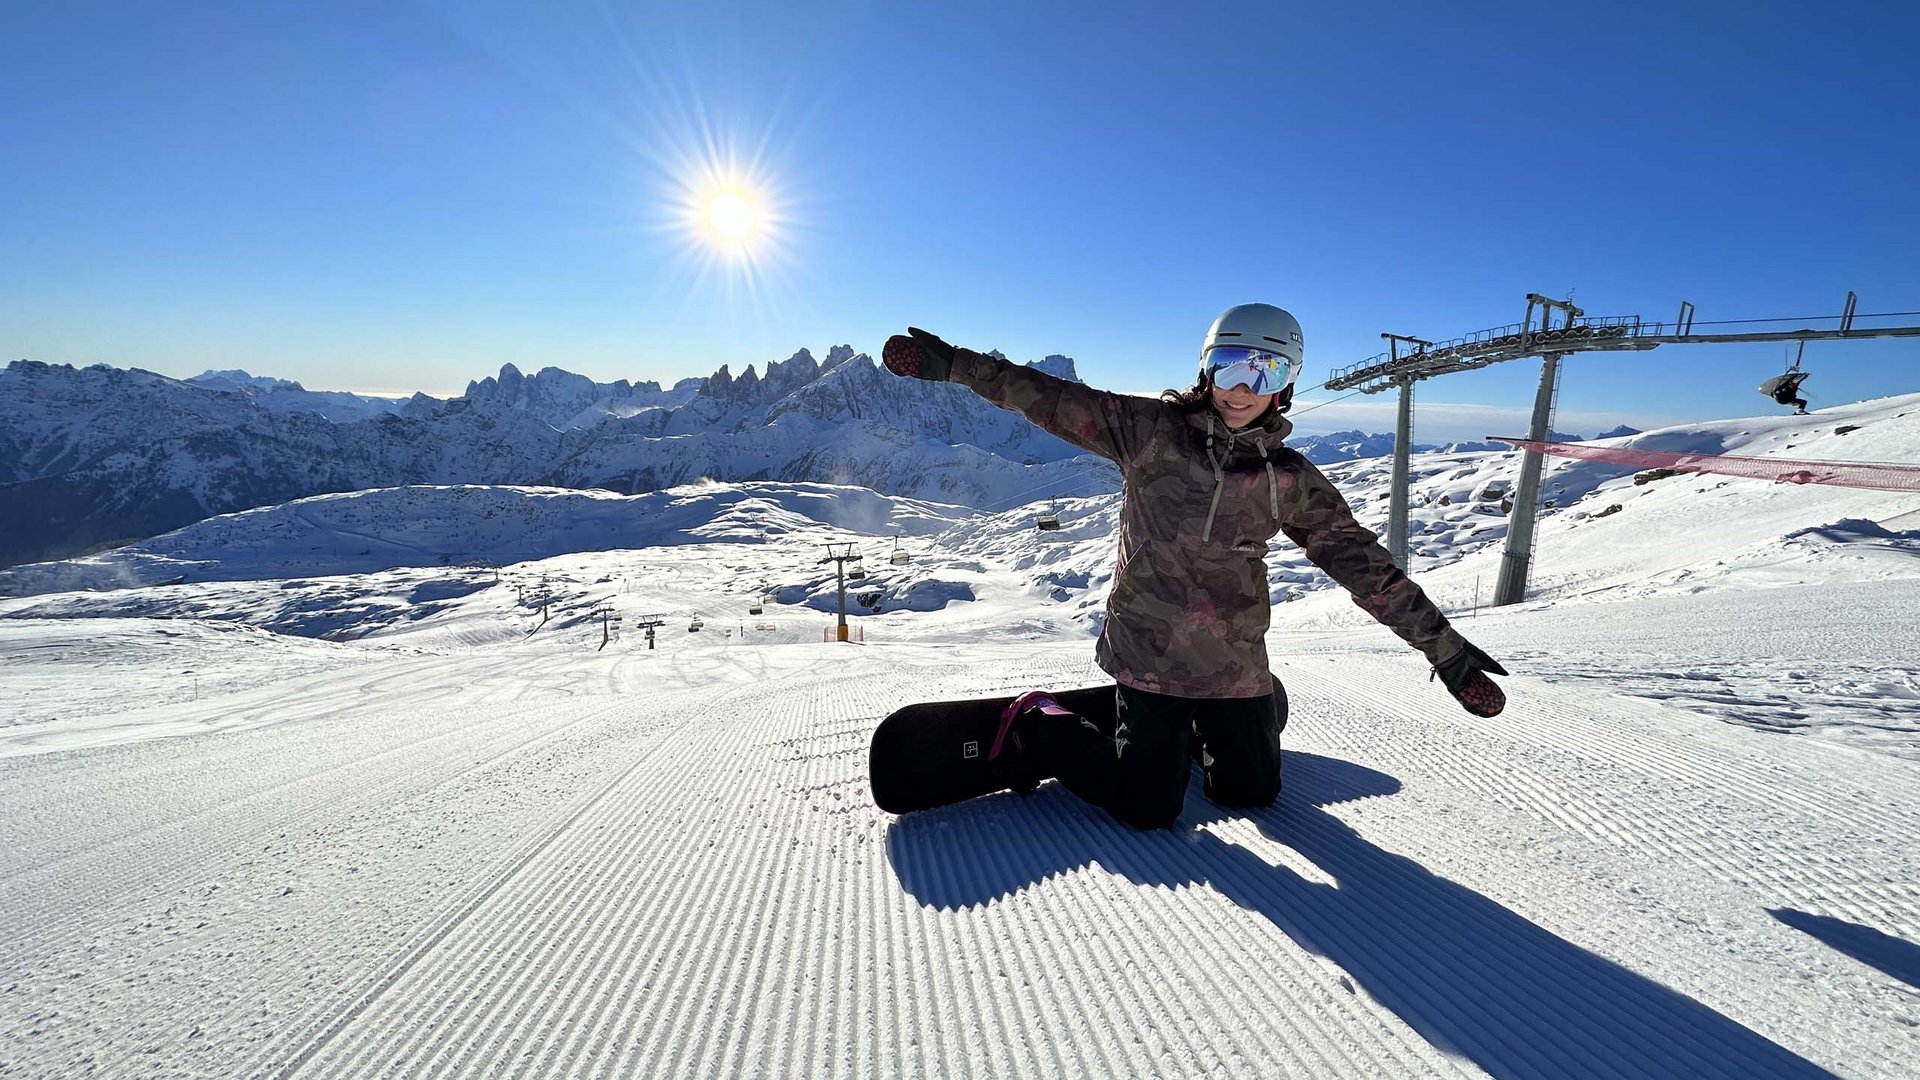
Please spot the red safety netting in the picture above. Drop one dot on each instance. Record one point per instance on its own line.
(1857, 474)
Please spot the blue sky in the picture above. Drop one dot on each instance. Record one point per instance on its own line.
(393, 196)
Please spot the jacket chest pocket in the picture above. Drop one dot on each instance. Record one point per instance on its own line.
(1174, 496)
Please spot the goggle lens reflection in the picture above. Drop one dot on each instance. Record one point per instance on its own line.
(1258, 370)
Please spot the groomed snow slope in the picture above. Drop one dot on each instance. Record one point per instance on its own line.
(466, 852)
(575, 863)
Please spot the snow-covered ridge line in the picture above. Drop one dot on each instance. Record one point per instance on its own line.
(114, 455)
(388, 528)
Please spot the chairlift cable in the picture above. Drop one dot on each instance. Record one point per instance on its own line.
(1800, 318)
(1323, 404)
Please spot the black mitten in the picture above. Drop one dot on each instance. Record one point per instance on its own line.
(1465, 676)
(922, 356)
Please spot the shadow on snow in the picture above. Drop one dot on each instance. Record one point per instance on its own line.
(1471, 976)
(1896, 957)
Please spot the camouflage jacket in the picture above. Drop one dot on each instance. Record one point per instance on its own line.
(1189, 611)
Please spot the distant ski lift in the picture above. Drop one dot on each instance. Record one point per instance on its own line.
(695, 625)
(855, 570)
(755, 608)
(1050, 520)
(899, 556)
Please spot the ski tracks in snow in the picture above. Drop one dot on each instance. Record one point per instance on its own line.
(667, 875)
(734, 905)
(1671, 845)
(182, 899)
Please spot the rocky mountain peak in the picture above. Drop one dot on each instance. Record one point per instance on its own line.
(237, 379)
(1058, 366)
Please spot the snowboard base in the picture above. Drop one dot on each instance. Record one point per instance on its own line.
(934, 753)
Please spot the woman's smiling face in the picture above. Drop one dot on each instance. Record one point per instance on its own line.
(1239, 406)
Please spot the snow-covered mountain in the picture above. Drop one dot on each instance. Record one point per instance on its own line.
(99, 456)
(1352, 445)
(287, 396)
(567, 401)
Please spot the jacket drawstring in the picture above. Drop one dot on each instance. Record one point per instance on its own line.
(1219, 480)
(1219, 464)
(1273, 485)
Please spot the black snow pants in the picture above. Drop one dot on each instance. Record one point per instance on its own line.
(1137, 768)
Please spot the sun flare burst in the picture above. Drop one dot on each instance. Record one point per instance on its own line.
(732, 217)
(725, 219)
(733, 228)
(728, 213)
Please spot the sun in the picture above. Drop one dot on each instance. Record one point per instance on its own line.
(731, 217)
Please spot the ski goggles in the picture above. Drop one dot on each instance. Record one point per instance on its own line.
(1258, 370)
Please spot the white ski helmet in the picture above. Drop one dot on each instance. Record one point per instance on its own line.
(1258, 326)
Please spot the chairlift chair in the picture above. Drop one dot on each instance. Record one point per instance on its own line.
(1786, 385)
(694, 627)
(754, 608)
(1050, 520)
(899, 556)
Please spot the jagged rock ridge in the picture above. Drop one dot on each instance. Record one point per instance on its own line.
(94, 457)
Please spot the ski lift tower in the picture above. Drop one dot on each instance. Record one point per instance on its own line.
(1402, 461)
(648, 623)
(609, 621)
(1511, 588)
(1392, 369)
(840, 555)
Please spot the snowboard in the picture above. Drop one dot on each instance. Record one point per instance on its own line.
(934, 753)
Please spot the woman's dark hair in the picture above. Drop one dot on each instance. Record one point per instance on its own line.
(1192, 399)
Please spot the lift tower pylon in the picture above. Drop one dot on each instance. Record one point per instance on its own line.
(1514, 564)
(840, 558)
(1402, 453)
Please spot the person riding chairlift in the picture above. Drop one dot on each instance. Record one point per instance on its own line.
(1787, 391)
(1785, 388)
